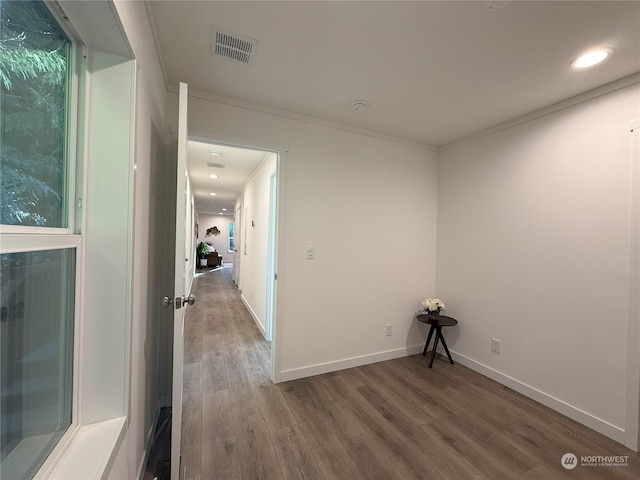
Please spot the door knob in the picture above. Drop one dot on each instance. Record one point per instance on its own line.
(167, 301)
(191, 299)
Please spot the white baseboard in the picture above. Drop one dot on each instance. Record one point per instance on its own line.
(327, 367)
(570, 411)
(574, 413)
(254, 316)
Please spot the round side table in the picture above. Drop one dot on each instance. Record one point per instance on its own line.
(436, 321)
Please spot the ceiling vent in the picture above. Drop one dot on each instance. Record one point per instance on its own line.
(232, 46)
(215, 165)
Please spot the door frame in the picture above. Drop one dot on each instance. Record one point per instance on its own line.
(278, 226)
(632, 414)
(271, 256)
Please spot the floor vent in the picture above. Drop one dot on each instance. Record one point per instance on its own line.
(232, 46)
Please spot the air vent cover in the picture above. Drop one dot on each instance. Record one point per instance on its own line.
(232, 46)
(215, 165)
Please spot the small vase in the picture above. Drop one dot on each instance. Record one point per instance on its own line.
(433, 313)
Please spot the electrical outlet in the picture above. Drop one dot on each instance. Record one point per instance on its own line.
(495, 345)
(389, 331)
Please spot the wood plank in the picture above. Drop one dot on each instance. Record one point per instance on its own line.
(221, 459)
(317, 424)
(255, 447)
(191, 438)
(295, 457)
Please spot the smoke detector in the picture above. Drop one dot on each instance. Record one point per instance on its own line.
(232, 46)
(359, 105)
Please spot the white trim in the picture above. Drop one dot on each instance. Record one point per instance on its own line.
(96, 445)
(265, 159)
(31, 243)
(72, 160)
(278, 270)
(574, 413)
(254, 316)
(320, 368)
(632, 397)
(277, 112)
(156, 43)
(556, 107)
(32, 230)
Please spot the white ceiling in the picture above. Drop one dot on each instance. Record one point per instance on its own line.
(238, 165)
(431, 72)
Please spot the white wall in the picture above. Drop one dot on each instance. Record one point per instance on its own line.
(150, 114)
(219, 242)
(533, 249)
(255, 231)
(344, 193)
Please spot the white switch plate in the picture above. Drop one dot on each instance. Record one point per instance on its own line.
(495, 345)
(311, 252)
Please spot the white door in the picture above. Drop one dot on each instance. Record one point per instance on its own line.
(182, 281)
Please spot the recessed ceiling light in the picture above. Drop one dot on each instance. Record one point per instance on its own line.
(221, 213)
(213, 194)
(591, 58)
(213, 176)
(215, 153)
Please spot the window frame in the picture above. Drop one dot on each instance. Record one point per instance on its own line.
(18, 238)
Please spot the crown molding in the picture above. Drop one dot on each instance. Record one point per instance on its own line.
(256, 107)
(619, 84)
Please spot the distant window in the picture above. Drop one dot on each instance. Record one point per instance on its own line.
(231, 245)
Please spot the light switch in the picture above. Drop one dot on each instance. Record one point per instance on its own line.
(311, 252)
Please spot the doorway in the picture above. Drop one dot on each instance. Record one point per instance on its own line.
(235, 186)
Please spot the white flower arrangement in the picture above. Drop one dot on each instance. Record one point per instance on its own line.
(433, 305)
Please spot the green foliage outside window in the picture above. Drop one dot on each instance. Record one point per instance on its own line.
(34, 63)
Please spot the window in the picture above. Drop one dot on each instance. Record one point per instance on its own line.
(38, 249)
(37, 341)
(34, 61)
(231, 244)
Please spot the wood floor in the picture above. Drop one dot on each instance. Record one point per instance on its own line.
(390, 420)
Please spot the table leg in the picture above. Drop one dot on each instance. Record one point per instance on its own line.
(444, 344)
(435, 346)
(426, 345)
